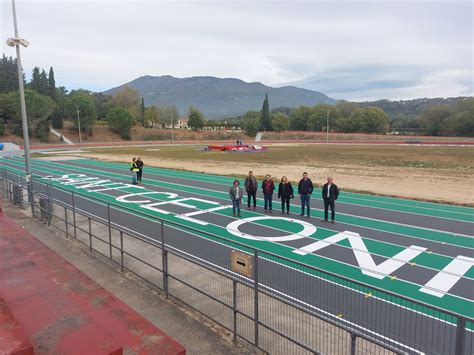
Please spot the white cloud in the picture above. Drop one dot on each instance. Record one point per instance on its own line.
(425, 46)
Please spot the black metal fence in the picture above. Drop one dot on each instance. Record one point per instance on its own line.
(282, 307)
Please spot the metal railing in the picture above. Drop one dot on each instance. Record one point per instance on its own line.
(284, 307)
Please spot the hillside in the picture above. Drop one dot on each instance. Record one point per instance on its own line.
(217, 97)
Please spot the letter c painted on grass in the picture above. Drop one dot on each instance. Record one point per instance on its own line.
(308, 229)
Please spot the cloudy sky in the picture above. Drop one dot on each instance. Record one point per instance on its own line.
(355, 50)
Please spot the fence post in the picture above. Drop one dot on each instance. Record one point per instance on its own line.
(65, 221)
(20, 195)
(110, 230)
(121, 250)
(4, 183)
(90, 234)
(353, 343)
(460, 335)
(164, 260)
(255, 277)
(234, 307)
(73, 214)
(48, 194)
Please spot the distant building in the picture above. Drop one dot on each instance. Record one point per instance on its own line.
(181, 123)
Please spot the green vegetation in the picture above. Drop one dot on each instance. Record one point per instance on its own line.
(196, 119)
(120, 121)
(265, 119)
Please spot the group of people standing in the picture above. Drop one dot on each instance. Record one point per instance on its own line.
(330, 193)
(136, 167)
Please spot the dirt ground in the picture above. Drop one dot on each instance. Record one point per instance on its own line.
(456, 187)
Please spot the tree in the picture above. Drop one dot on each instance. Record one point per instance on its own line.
(57, 120)
(142, 112)
(39, 81)
(367, 120)
(151, 117)
(434, 118)
(251, 122)
(102, 104)
(346, 108)
(280, 122)
(299, 118)
(120, 121)
(127, 98)
(195, 119)
(265, 119)
(84, 102)
(8, 75)
(167, 115)
(38, 109)
(8, 106)
(2, 128)
(321, 114)
(51, 84)
(376, 121)
(463, 122)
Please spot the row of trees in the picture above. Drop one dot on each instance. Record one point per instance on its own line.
(342, 117)
(348, 117)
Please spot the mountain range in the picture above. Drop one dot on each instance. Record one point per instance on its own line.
(216, 97)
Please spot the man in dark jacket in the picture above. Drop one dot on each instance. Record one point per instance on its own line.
(139, 163)
(251, 187)
(267, 187)
(305, 189)
(330, 193)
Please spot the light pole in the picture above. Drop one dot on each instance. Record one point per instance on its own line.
(172, 126)
(16, 42)
(327, 125)
(79, 124)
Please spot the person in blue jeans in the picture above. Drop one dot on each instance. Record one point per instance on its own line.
(235, 194)
(267, 187)
(305, 189)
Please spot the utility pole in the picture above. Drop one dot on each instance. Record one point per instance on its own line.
(26, 139)
(327, 125)
(79, 124)
(172, 126)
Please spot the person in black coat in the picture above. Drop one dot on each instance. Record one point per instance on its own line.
(140, 164)
(267, 189)
(285, 192)
(305, 189)
(330, 193)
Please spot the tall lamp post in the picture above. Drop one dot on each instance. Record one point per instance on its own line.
(172, 126)
(327, 125)
(16, 42)
(79, 125)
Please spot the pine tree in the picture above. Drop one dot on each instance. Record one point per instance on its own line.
(8, 75)
(35, 80)
(265, 120)
(51, 84)
(142, 112)
(43, 83)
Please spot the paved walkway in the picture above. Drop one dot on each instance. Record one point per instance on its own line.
(61, 310)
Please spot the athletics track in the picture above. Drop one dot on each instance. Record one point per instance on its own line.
(420, 250)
